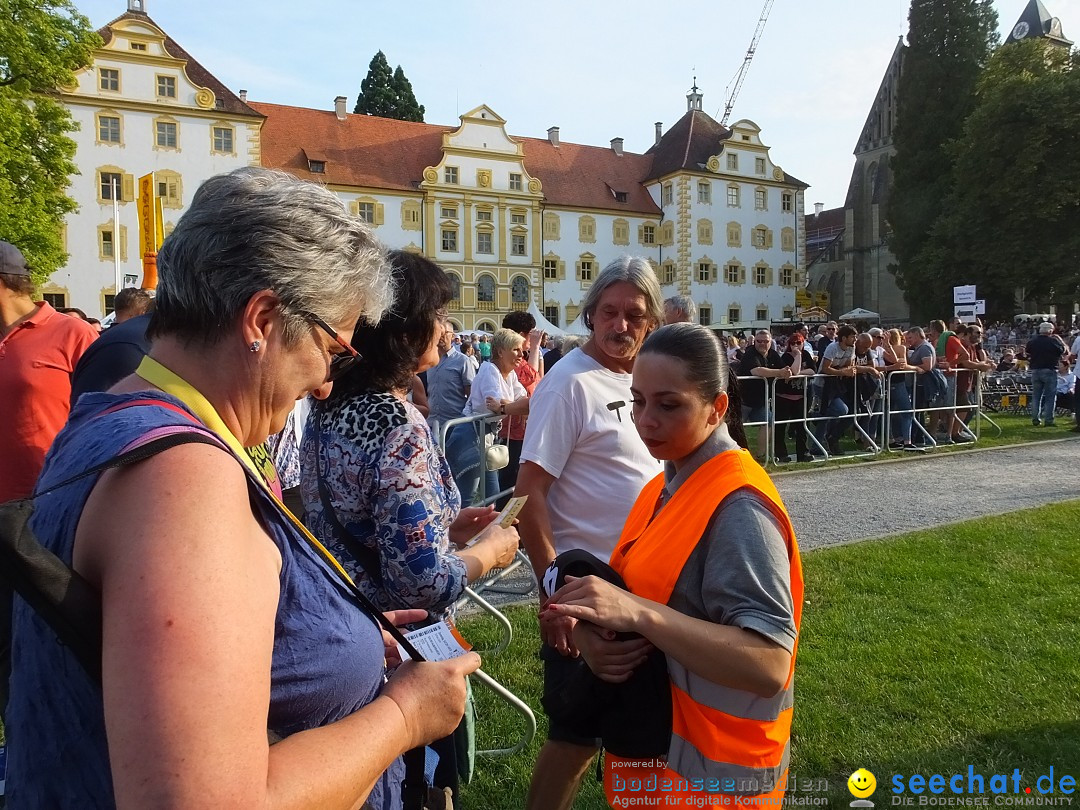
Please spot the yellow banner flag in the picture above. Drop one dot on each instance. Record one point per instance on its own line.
(148, 216)
(160, 223)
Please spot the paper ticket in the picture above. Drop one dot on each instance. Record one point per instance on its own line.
(439, 642)
(505, 519)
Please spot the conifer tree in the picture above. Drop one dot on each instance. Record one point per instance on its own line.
(387, 94)
(377, 89)
(408, 108)
(949, 43)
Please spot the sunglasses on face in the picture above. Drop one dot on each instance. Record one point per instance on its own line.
(339, 363)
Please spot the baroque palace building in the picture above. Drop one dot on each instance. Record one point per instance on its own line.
(518, 222)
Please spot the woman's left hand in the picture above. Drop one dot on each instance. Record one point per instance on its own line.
(399, 618)
(469, 522)
(594, 600)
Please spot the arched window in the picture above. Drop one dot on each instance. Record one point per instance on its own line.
(519, 290)
(455, 286)
(485, 289)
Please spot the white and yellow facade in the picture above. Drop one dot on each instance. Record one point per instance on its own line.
(515, 221)
(139, 109)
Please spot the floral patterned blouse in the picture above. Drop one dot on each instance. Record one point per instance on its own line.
(392, 490)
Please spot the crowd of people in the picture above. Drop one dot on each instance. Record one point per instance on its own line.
(250, 574)
(341, 453)
(912, 388)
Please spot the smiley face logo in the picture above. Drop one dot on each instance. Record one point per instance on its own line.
(861, 783)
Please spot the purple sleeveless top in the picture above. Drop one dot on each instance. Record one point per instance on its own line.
(327, 658)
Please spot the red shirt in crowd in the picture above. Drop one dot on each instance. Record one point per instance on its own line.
(36, 361)
(514, 426)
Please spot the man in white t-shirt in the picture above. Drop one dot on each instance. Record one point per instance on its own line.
(583, 466)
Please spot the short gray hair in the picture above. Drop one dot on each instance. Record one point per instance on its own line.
(633, 269)
(684, 305)
(256, 229)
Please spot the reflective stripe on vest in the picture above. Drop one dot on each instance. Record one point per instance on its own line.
(718, 732)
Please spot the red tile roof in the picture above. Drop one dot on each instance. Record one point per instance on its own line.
(689, 144)
(376, 152)
(362, 150)
(228, 100)
(588, 176)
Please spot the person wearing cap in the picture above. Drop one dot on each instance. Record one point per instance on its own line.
(39, 348)
(1044, 353)
(877, 345)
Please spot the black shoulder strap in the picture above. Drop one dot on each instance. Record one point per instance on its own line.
(69, 604)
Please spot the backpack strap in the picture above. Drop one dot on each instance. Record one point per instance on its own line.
(69, 604)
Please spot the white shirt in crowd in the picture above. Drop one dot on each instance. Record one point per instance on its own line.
(580, 432)
(488, 382)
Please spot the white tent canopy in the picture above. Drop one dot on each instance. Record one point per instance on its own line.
(578, 327)
(860, 314)
(542, 323)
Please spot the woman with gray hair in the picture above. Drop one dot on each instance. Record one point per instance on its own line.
(225, 625)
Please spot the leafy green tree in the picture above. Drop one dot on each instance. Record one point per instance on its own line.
(1010, 220)
(377, 96)
(949, 43)
(42, 44)
(408, 108)
(387, 94)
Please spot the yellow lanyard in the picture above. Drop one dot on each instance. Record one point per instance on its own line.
(156, 374)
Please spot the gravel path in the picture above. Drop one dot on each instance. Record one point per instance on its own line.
(877, 499)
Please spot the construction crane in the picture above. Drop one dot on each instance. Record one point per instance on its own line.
(740, 76)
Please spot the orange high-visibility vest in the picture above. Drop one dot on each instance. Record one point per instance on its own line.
(724, 740)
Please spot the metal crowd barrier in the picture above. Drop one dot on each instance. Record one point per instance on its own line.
(490, 582)
(870, 418)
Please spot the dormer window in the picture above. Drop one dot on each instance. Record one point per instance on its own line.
(316, 161)
(620, 196)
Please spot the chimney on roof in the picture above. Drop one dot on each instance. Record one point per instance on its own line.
(553, 135)
(818, 208)
(339, 107)
(659, 131)
(616, 146)
(243, 96)
(137, 5)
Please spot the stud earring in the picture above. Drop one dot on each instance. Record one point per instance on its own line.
(255, 346)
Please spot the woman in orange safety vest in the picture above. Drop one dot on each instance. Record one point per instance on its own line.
(714, 580)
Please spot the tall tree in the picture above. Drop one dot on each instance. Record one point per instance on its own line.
(409, 109)
(377, 96)
(387, 94)
(42, 44)
(949, 43)
(1010, 219)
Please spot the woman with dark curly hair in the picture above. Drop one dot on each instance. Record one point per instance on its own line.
(376, 487)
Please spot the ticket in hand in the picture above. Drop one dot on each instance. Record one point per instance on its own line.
(505, 519)
(438, 642)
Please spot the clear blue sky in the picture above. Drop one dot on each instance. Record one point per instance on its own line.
(597, 69)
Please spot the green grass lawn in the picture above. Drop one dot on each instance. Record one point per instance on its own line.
(919, 654)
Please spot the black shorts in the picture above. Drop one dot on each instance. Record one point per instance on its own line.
(557, 669)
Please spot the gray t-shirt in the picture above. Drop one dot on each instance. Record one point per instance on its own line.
(838, 356)
(920, 353)
(739, 573)
(449, 384)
